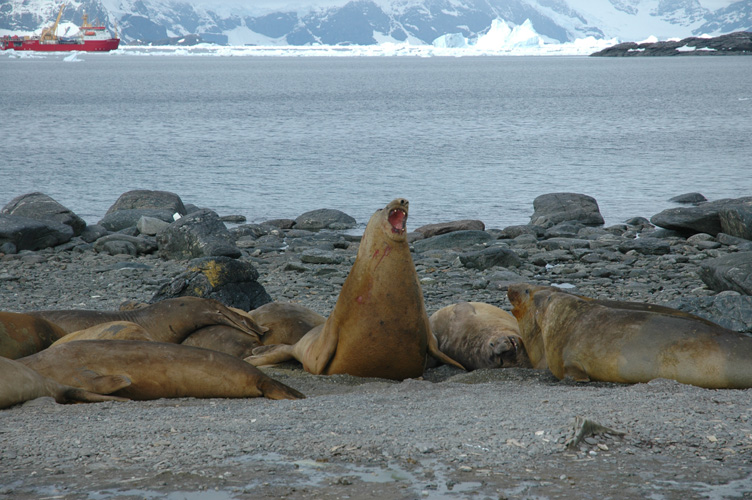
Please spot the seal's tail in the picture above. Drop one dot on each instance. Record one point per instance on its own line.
(74, 395)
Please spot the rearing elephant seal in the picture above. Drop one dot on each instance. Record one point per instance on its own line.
(587, 340)
(145, 370)
(170, 320)
(479, 335)
(379, 326)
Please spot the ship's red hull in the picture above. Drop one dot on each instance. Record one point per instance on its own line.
(59, 46)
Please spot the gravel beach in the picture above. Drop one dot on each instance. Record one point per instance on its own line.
(505, 433)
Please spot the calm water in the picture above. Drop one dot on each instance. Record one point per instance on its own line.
(459, 137)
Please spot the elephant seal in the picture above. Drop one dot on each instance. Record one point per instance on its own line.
(151, 370)
(115, 330)
(23, 334)
(19, 383)
(170, 320)
(286, 323)
(379, 326)
(479, 335)
(587, 340)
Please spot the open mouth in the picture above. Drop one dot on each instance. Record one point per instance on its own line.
(398, 218)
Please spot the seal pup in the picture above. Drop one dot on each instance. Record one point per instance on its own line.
(152, 370)
(23, 334)
(586, 340)
(379, 326)
(479, 335)
(19, 383)
(115, 330)
(170, 320)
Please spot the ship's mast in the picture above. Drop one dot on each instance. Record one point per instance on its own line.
(50, 34)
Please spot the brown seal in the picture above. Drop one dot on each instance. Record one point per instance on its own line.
(19, 383)
(170, 320)
(23, 334)
(379, 326)
(115, 330)
(285, 323)
(151, 370)
(588, 340)
(479, 335)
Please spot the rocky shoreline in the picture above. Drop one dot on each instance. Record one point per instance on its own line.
(492, 433)
(737, 43)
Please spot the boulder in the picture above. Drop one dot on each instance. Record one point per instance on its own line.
(553, 208)
(689, 198)
(232, 282)
(730, 272)
(448, 227)
(703, 218)
(324, 218)
(117, 243)
(736, 220)
(93, 232)
(198, 234)
(646, 246)
(23, 233)
(39, 206)
(490, 257)
(127, 218)
(728, 309)
(455, 240)
(141, 199)
(511, 232)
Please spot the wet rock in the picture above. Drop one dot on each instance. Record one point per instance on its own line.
(736, 220)
(41, 207)
(689, 198)
(324, 218)
(553, 208)
(230, 281)
(128, 218)
(703, 218)
(447, 227)
(730, 272)
(22, 233)
(199, 234)
(728, 309)
(93, 232)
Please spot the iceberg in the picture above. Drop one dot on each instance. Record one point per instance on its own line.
(450, 41)
(501, 37)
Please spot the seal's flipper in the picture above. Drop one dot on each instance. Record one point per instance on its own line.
(433, 350)
(73, 395)
(273, 389)
(270, 355)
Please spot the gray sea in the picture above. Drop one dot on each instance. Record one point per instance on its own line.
(470, 137)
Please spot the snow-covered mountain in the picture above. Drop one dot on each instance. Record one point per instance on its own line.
(368, 22)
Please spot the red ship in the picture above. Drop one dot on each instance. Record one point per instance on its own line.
(89, 38)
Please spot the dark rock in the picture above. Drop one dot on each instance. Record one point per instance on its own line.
(564, 243)
(39, 206)
(24, 233)
(737, 43)
(703, 218)
(150, 225)
(123, 219)
(490, 257)
(324, 218)
(448, 227)
(93, 232)
(455, 240)
(689, 198)
(511, 232)
(553, 208)
(233, 219)
(730, 311)
(199, 234)
(315, 256)
(646, 246)
(142, 199)
(281, 223)
(727, 239)
(567, 229)
(116, 244)
(230, 281)
(736, 220)
(730, 272)
(253, 230)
